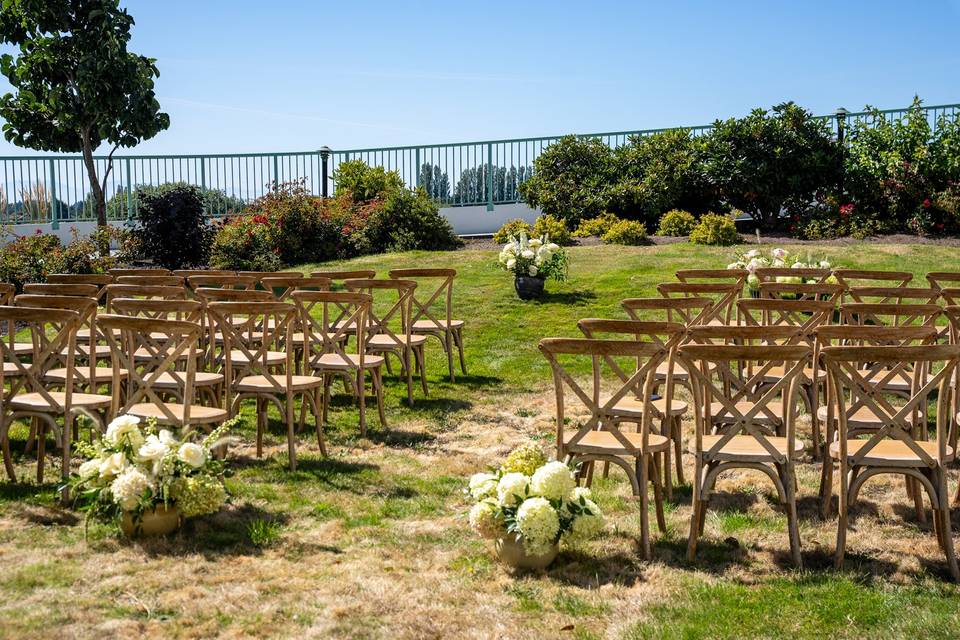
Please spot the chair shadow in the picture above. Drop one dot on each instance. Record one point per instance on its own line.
(399, 439)
(586, 571)
(580, 296)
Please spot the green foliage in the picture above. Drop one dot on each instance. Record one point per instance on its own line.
(264, 533)
(628, 232)
(32, 257)
(76, 84)
(715, 230)
(570, 179)
(215, 201)
(171, 227)
(554, 228)
(244, 243)
(365, 182)
(596, 226)
(512, 229)
(404, 220)
(676, 223)
(771, 161)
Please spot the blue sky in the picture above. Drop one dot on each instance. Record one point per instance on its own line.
(290, 75)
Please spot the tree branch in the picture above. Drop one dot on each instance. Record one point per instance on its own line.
(106, 174)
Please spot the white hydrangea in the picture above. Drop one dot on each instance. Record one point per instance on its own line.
(587, 526)
(551, 247)
(553, 481)
(511, 263)
(824, 264)
(90, 468)
(512, 488)
(534, 243)
(483, 485)
(579, 492)
(128, 487)
(124, 428)
(527, 253)
(779, 254)
(538, 523)
(484, 520)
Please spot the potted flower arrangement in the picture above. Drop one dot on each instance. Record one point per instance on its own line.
(149, 478)
(532, 261)
(529, 505)
(757, 259)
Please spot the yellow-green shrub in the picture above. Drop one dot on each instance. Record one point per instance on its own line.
(512, 228)
(676, 223)
(554, 228)
(596, 226)
(716, 230)
(628, 232)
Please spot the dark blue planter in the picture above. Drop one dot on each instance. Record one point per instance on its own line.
(528, 288)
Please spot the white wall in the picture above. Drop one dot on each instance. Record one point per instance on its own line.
(477, 220)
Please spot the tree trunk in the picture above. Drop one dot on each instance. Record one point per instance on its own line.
(96, 190)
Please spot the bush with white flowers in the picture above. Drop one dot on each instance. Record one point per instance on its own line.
(136, 467)
(536, 500)
(534, 257)
(757, 259)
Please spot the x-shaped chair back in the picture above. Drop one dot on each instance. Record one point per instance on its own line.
(734, 376)
(686, 311)
(258, 276)
(440, 295)
(722, 276)
(7, 291)
(770, 274)
(148, 348)
(282, 285)
(53, 333)
(144, 271)
(328, 318)
(894, 295)
(186, 310)
(101, 280)
(890, 314)
(162, 281)
(805, 315)
(76, 290)
(188, 273)
(569, 356)
(212, 294)
(850, 278)
(255, 330)
(850, 386)
(338, 278)
(944, 279)
(146, 292)
(222, 282)
(801, 291)
(724, 296)
(386, 322)
(86, 310)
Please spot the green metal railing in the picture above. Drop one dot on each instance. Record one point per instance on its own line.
(54, 188)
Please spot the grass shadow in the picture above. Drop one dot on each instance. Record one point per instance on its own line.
(399, 439)
(580, 296)
(589, 571)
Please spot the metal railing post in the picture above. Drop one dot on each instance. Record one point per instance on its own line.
(126, 167)
(489, 176)
(276, 171)
(419, 170)
(325, 170)
(54, 205)
(841, 132)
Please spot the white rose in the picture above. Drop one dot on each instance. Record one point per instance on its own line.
(90, 468)
(193, 454)
(152, 449)
(779, 254)
(112, 465)
(166, 437)
(532, 271)
(124, 428)
(511, 263)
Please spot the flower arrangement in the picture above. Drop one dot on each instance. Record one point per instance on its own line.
(534, 258)
(134, 470)
(536, 501)
(756, 259)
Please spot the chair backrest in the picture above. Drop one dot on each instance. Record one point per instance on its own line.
(187, 273)
(101, 280)
(897, 295)
(147, 348)
(732, 392)
(281, 285)
(806, 315)
(185, 310)
(439, 294)
(686, 311)
(337, 278)
(944, 279)
(7, 291)
(889, 314)
(52, 289)
(801, 291)
(327, 319)
(599, 394)
(872, 278)
(52, 332)
(86, 310)
(260, 275)
(818, 275)
(161, 280)
(222, 281)
(212, 294)
(144, 271)
(852, 385)
(724, 296)
(254, 329)
(728, 276)
(384, 322)
(144, 291)
(950, 295)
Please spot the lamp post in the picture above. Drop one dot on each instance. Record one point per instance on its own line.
(841, 116)
(325, 152)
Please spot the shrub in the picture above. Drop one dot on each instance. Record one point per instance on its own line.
(512, 228)
(172, 228)
(405, 220)
(715, 230)
(554, 228)
(31, 258)
(628, 232)
(676, 223)
(596, 226)
(570, 178)
(365, 182)
(244, 243)
(215, 201)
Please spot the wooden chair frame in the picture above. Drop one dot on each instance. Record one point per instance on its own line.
(724, 297)
(805, 291)
(160, 280)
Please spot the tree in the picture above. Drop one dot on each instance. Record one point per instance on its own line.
(77, 86)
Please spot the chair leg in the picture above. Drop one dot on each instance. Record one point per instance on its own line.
(678, 446)
(409, 372)
(917, 492)
(826, 484)
(657, 492)
(291, 435)
(458, 339)
(842, 518)
(699, 507)
(793, 525)
(317, 401)
(421, 359)
(261, 426)
(362, 395)
(643, 468)
(448, 347)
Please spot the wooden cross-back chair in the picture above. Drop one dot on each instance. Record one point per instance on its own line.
(850, 278)
(893, 295)
(160, 280)
(139, 271)
(101, 280)
(159, 355)
(952, 313)
(282, 285)
(897, 379)
(950, 295)
(741, 422)
(686, 311)
(146, 292)
(723, 295)
(260, 275)
(221, 281)
(802, 291)
(770, 274)
(188, 273)
(90, 291)
(24, 391)
(899, 445)
(338, 278)
(944, 279)
(597, 436)
(728, 276)
(429, 321)
(262, 368)
(385, 337)
(668, 410)
(7, 291)
(325, 346)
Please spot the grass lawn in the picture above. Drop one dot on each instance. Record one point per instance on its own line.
(371, 541)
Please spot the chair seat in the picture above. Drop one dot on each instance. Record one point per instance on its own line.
(604, 442)
(144, 354)
(11, 370)
(384, 341)
(890, 452)
(336, 361)
(633, 407)
(430, 325)
(719, 413)
(273, 357)
(901, 381)
(255, 384)
(198, 414)
(778, 371)
(864, 416)
(201, 379)
(748, 447)
(36, 402)
(22, 348)
(101, 375)
(679, 373)
(300, 337)
(101, 350)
